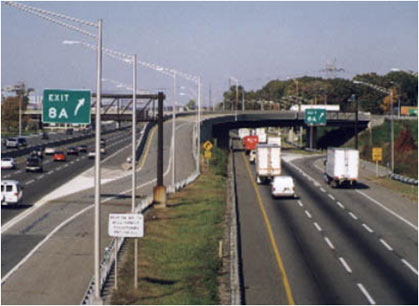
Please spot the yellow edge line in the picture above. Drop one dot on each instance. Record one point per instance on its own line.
(272, 238)
(148, 147)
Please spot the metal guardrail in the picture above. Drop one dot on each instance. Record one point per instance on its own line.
(403, 179)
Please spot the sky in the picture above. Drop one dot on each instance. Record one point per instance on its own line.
(254, 42)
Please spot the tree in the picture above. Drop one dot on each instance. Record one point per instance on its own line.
(191, 104)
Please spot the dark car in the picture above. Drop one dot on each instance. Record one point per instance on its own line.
(45, 135)
(82, 148)
(38, 152)
(72, 151)
(69, 132)
(102, 142)
(33, 164)
(21, 142)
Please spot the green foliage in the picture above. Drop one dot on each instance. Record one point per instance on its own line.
(219, 161)
(333, 91)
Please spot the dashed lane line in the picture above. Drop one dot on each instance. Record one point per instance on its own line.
(29, 182)
(353, 216)
(340, 205)
(409, 266)
(331, 196)
(388, 247)
(329, 243)
(308, 214)
(366, 294)
(345, 265)
(317, 226)
(367, 228)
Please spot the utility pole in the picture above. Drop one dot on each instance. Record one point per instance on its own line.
(392, 131)
(356, 121)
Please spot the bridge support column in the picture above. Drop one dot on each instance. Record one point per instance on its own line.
(311, 137)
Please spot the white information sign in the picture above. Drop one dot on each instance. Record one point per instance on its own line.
(126, 225)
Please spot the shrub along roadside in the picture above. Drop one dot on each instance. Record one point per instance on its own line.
(178, 256)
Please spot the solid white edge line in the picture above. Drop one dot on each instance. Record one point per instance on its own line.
(388, 210)
(365, 292)
(367, 228)
(386, 244)
(345, 265)
(329, 243)
(409, 266)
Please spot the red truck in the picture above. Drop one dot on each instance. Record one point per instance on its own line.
(250, 142)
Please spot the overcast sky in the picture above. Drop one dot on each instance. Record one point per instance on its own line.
(252, 41)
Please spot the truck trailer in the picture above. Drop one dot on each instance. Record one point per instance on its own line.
(342, 167)
(268, 162)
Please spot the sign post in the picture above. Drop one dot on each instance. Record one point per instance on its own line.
(314, 117)
(207, 146)
(377, 155)
(128, 226)
(66, 106)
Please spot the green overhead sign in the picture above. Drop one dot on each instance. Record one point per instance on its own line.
(66, 106)
(315, 116)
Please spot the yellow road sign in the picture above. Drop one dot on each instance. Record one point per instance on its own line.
(377, 154)
(207, 145)
(207, 154)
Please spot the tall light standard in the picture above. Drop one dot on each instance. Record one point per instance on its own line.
(237, 96)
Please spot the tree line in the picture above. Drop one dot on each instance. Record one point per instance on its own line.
(316, 90)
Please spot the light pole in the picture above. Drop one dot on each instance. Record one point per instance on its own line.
(199, 124)
(174, 131)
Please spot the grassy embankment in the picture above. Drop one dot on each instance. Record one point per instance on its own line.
(405, 162)
(178, 256)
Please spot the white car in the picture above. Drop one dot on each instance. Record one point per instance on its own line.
(11, 192)
(8, 163)
(50, 150)
(12, 143)
(283, 186)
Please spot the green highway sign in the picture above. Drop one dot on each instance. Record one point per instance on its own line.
(66, 106)
(315, 116)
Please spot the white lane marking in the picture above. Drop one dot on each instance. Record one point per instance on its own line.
(15, 268)
(7, 176)
(317, 226)
(340, 204)
(331, 196)
(308, 214)
(322, 189)
(353, 215)
(367, 295)
(29, 182)
(409, 266)
(41, 176)
(59, 168)
(367, 228)
(386, 244)
(18, 171)
(316, 183)
(388, 210)
(329, 243)
(345, 265)
(65, 166)
(300, 203)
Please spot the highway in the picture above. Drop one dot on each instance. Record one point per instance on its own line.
(329, 246)
(36, 185)
(54, 242)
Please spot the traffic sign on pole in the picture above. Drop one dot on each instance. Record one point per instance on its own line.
(66, 106)
(315, 116)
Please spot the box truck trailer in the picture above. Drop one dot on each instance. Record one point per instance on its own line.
(268, 162)
(342, 166)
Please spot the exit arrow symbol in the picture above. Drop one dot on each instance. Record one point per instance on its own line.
(79, 104)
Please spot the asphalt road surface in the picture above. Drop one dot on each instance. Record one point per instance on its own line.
(335, 246)
(47, 257)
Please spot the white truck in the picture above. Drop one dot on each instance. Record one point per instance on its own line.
(342, 166)
(260, 132)
(243, 133)
(268, 162)
(274, 140)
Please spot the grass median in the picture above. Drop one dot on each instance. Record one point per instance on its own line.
(178, 255)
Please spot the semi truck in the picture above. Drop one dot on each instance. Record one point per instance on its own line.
(268, 162)
(342, 167)
(250, 142)
(261, 133)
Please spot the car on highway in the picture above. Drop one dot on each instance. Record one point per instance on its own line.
(59, 156)
(50, 150)
(39, 152)
(102, 142)
(72, 151)
(21, 142)
(82, 148)
(69, 132)
(283, 186)
(12, 143)
(8, 163)
(33, 164)
(11, 192)
(45, 135)
(252, 156)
